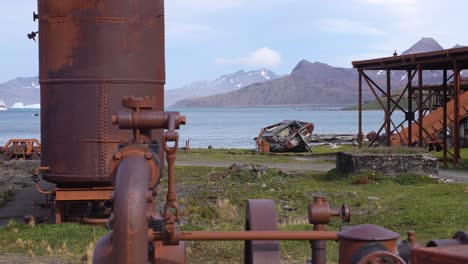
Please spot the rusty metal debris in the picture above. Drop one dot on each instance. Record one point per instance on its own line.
(445, 251)
(24, 149)
(287, 136)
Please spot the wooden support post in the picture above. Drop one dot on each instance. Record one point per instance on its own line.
(444, 85)
(420, 106)
(387, 111)
(456, 123)
(360, 135)
(409, 115)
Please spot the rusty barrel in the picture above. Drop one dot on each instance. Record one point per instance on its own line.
(357, 242)
(92, 53)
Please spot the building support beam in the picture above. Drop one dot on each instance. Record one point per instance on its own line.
(420, 105)
(360, 135)
(456, 123)
(409, 113)
(387, 111)
(445, 117)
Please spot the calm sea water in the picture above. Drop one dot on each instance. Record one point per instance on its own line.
(223, 127)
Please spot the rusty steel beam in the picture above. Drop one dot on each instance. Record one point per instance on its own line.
(445, 118)
(420, 107)
(387, 110)
(410, 114)
(366, 78)
(384, 93)
(360, 135)
(456, 125)
(252, 235)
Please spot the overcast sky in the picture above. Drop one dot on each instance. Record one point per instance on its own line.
(208, 38)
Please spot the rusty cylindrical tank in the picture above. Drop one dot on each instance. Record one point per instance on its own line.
(357, 242)
(92, 53)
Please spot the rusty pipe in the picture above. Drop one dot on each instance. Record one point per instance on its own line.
(252, 235)
(130, 223)
(38, 188)
(148, 120)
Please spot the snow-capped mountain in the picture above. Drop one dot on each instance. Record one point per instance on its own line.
(223, 84)
(316, 84)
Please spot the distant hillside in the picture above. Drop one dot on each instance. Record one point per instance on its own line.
(316, 84)
(308, 84)
(224, 84)
(20, 90)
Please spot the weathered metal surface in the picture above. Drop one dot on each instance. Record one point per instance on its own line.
(320, 214)
(130, 235)
(360, 241)
(26, 149)
(252, 235)
(440, 255)
(287, 136)
(460, 238)
(261, 216)
(93, 53)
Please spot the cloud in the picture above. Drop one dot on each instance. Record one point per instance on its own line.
(188, 30)
(261, 58)
(346, 26)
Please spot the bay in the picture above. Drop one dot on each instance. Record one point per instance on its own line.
(230, 127)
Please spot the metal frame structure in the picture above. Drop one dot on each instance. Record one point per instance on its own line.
(450, 61)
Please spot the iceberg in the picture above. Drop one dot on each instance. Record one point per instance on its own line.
(19, 105)
(33, 106)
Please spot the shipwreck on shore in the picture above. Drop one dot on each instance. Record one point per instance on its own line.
(287, 136)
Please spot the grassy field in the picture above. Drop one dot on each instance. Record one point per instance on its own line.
(463, 162)
(245, 155)
(214, 199)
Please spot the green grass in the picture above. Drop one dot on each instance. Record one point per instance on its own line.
(69, 241)
(251, 156)
(463, 162)
(391, 150)
(214, 199)
(410, 202)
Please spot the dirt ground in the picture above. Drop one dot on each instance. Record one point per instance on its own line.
(17, 177)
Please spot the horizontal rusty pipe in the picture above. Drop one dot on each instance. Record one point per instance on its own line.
(130, 223)
(253, 235)
(147, 120)
(89, 221)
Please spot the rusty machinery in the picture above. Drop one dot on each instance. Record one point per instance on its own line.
(102, 73)
(26, 149)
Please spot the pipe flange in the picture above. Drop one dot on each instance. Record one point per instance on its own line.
(137, 151)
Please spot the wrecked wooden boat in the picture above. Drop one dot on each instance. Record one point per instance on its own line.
(287, 136)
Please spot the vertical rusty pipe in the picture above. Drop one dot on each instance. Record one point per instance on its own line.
(445, 117)
(360, 110)
(130, 226)
(410, 115)
(456, 112)
(420, 106)
(387, 111)
(319, 248)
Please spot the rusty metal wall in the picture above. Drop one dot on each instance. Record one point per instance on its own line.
(92, 53)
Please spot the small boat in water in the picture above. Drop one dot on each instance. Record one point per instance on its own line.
(3, 106)
(287, 136)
